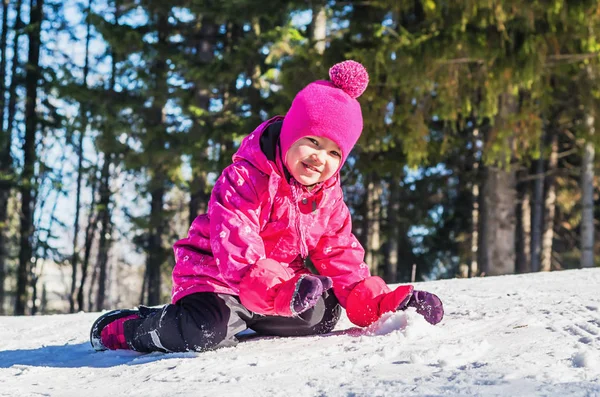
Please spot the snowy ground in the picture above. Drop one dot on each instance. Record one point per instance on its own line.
(521, 335)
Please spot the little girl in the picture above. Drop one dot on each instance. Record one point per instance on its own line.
(243, 264)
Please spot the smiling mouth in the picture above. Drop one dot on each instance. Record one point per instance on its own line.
(311, 168)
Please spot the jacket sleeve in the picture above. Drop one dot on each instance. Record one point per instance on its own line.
(234, 210)
(339, 255)
(237, 246)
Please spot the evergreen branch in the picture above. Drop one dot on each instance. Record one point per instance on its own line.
(571, 58)
(461, 60)
(552, 59)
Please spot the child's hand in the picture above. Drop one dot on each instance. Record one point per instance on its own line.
(309, 289)
(268, 289)
(372, 297)
(428, 305)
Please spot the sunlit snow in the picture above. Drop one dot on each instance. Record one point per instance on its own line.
(523, 335)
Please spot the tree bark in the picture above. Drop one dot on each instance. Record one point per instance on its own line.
(474, 265)
(373, 231)
(82, 131)
(206, 42)
(523, 232)
(549, 206)
(105, 227)
(319, 27)
(5, 159)
(37, 268)
(155, 251)
(587, 198)
(198, 196)
(90, 232)
(105, 194)
(12, 91)
(29, 156)
(499, 196)
(537, 211)
(391, 269)
(3, 45)
(473, 269)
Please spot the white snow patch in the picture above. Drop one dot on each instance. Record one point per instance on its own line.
(526, 335)
(585, 359)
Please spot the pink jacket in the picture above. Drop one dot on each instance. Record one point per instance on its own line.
(259, 228)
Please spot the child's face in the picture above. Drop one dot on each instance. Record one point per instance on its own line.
(313, 159)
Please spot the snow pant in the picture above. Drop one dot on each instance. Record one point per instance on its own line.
(206, 320)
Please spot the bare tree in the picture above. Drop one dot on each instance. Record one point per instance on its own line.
(80, 155)
(29, 155)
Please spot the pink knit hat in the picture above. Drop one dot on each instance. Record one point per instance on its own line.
(328, 109)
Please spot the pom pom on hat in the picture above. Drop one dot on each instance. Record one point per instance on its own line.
(350, 76)
(328, 109)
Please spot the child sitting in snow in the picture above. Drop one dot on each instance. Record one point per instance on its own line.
(243, 264)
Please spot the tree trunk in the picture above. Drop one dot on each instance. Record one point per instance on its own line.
(105, 226)
(12, 91)
(537, 211)
(550, 207)
(198, 196)
(523, 231)
(156, 253)
(319, 27)
(587, 199)
(90, 232)
(144, 286)
(104, 218)
(359, 229)
(29, 156)
(105, 195)
(482, 253)
(157, 185)
(205, 48)
(5, 159)
(373, 230)
(3, 46)
(499, 196)
(391, 269)
(82, 131)
(473, 269)
(91, 303)
(37, 269)
(474, 265)
(3, 41)
(102, 276)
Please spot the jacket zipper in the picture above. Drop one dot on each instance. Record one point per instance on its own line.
(295, 197)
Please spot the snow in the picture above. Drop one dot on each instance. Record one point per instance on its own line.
(518, 335)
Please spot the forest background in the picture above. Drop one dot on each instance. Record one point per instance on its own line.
(477, 156)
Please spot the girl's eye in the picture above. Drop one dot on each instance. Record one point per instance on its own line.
(313, 141)
(336, 154)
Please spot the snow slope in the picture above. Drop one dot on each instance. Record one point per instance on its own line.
(523, 335)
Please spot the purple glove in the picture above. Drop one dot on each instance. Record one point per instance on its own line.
(309, 289)
(428, 305)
